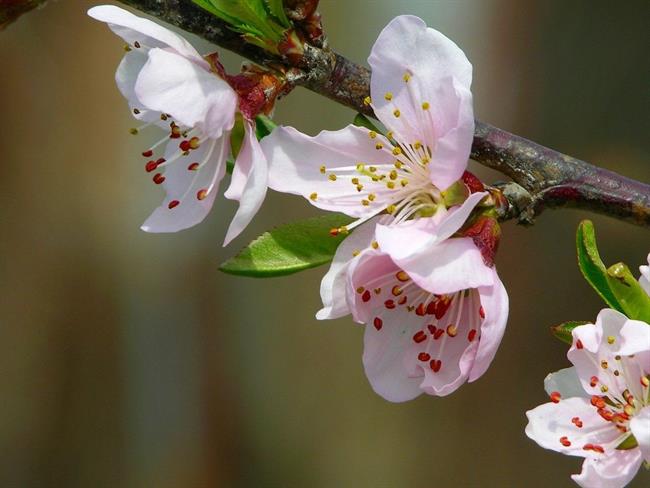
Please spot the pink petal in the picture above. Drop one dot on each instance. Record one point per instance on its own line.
(552, 423)
(187, 186)
(634, 339)
(566, 382)
(295, 161)
(494, 300)
(613, 471)
(133, 29)
(248, 183)
(640, 427)
(333, 289)
(440, 75)
(644, 279)
(193, 96)
(126, 76)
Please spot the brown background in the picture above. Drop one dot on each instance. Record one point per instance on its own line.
(127, 359)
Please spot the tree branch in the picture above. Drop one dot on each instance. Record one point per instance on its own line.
(10, 10)
(543, 177)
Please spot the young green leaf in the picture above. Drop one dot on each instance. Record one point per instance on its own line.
(289, 248)
(592, 266)
(276, 8)
(263, 126)
(632, 298)
(361, 120)
(564, 331)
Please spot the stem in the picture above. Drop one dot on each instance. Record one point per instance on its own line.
(544, 177)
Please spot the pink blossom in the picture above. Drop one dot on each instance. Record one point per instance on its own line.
(420, 91)
(599, 408)
(434, 315)
(168, 84)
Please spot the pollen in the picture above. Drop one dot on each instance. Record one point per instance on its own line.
(391, 208)
(645, 381)
(360, 167)
(173, 204)
(372, 134)
(388, 96)
(332, 177)
(389, 134)
(390, 184)
(367, 101)
(402, 276)
(372, 197)
(610, 339)
(322, 169)
(355, 253)
(372, 169)
(379, 146)
(397, 113)
(355, 181)
(193, 167)
(398, 164)
(163, 117)
(365, 202)
(375, 245)
(417, 145)
(425, 105)
(397, 151)
(404, 182)
(194, 143)
(359, 187)
(313, 196)
(201, 194)
(406, 77)
(393, 175)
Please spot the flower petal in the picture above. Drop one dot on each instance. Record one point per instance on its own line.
(613, 471)
(566, 382)
(333, 289)
(644, 279)
(192, 95)
(494, 300)
(193, 189)
(552, 423)
(634, 339)
(414, 67)
(640, 427)
(126, 76)
(134, 29)
(295, 162)
(248, 183)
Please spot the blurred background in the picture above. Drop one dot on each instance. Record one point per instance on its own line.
(128, 359)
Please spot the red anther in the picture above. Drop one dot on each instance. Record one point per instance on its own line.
(481, 312)
(438, 333)
(193, 167)
(471, 335)
(606, 414)
(175, 131)
(597, 448)
(366, 296)
(148, 153)
(441, 307)
(419, 336)
(555, 396)
(389, 304)
(396, 290)
(420, 310)
(334, 231)
(424, 356)
(593, 381)
(579, 344)
(158, 178)
(185, 146)
(588, 447)
(577, 422)
(172, 204)
(431, 308)
(597, 402)
(402, 300)
(151, 166)
(201, 194)
(435, 365)
(564, 440)
(432, 328)
(378, 323)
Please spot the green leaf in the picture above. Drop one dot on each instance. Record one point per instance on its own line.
(592, 266)
(263, 126)
(633, 299)
(361, 120)
(276, 8)
(237, 136)
(629, 442)
(289, 248)
(564, 331)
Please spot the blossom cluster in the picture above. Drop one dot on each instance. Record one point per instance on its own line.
(416, 267)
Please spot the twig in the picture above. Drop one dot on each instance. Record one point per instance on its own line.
(544, 177)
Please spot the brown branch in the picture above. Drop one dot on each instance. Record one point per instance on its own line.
(10, 10)
(542, 177)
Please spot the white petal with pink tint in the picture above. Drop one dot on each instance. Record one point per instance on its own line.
(146, 33)
(644, 279)
(613, 471)
(566, 382)
(640, 427)
(172, 84)
(248, 183)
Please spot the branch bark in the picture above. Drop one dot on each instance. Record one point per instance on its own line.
(543, 178)
(10, 10)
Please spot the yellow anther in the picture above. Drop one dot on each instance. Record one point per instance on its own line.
(610, 339)
(603, 364)
(629, 410)
(397, 151)
(372, 134)
(375, 245)
(426, 160)
(355, 181)
(425, 105)
(375, 178)
(417, 145)
(604, 388)
(332, 177)
(360, 166)
(313, 196)
(390, 184)
(127, 48)
(393, 174)
(323, 169)
(343, 229)
(406, 77)
(388, 96)
(404, 182)
(361, 289)
(133, 131)
(163, 117)
(397, 113)
(398, 164)
(355, 253)
(372, 169)
(367, 101)
(390, 209)
(359, 187)
(365, 202)
(645, 381)
(371, 197)
(390, 134)
(379, 146)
